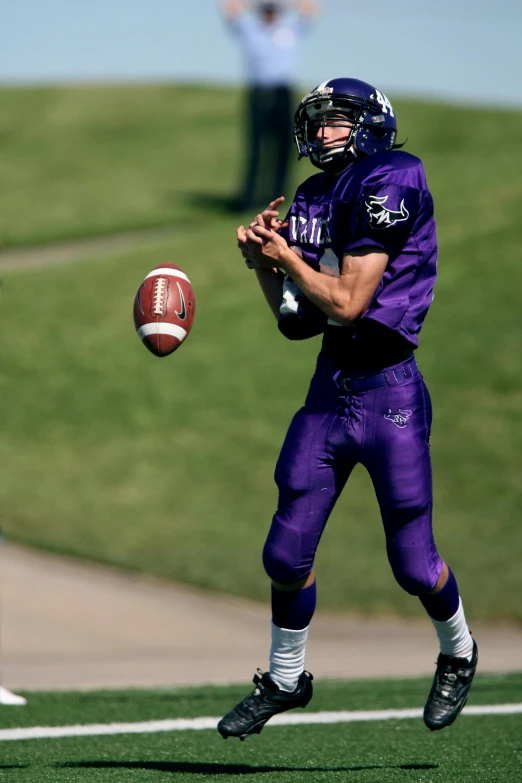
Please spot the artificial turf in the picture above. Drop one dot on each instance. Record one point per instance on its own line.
(483, 749)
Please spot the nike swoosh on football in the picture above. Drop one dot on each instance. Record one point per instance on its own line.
(139, 299)
(181, 315)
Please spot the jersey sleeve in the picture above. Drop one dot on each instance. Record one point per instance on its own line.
(382, 218)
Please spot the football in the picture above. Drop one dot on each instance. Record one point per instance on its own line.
(164, 309)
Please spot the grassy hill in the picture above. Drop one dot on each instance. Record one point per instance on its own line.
(166, 465)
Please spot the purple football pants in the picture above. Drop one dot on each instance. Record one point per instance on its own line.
(387, 430)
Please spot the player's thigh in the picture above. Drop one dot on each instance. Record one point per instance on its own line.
(310, 478)
(397, 451)
(308, 472)
(399, 464)
(313, 467)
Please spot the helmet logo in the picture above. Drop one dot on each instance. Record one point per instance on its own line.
(322, 92)
(384, 102)
(380, 216)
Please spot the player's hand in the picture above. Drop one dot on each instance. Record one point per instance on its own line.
(248, 248)
(265, 246)
(242, 243)
(269, 217)
(248, 241)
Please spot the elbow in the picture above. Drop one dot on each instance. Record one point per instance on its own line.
(347, 313)
(345, 308)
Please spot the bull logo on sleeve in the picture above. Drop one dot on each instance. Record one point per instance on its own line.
(382, 217)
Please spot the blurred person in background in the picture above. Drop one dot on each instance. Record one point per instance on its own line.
(268, 33)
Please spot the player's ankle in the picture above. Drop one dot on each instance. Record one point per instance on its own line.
(454, 635)
(287, 656)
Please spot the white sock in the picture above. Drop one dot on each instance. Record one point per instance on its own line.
(287, 656)
(454, 636)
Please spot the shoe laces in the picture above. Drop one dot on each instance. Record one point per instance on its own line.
(252, 699)
(448, 682)
(449, 673)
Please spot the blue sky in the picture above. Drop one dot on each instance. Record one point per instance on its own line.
(461, 49)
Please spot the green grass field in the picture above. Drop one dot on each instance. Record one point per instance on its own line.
(476, 749)
(166, 466)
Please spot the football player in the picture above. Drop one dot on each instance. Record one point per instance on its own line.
(356, 260)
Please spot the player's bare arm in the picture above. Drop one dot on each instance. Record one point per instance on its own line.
(344, 298)
(272, 287)
(269, 278)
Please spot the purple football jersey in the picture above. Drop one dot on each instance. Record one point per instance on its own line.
(381, 202)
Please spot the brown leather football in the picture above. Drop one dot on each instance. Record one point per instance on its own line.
(164, 309)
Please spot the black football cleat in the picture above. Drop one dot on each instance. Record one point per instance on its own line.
(265, 701)
(450, 689)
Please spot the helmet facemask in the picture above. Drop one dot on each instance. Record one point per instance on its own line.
(311, 122)
(367, 134)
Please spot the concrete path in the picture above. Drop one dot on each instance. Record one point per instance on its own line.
(71, 251)
(72, 625)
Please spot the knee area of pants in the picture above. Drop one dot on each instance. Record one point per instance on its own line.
(281, 567)
(413, 583)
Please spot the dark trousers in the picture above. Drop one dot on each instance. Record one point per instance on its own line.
(269, 124)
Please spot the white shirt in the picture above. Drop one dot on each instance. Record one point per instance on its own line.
(269, 49)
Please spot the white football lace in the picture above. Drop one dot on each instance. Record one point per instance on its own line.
(159, 296)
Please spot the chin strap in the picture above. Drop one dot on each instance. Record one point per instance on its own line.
(339, 162)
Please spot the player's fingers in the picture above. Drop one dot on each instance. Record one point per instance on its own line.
(261, 231)
(251, 237)
(241, 234)
(257, 221)
(276, 202)
(269, 215)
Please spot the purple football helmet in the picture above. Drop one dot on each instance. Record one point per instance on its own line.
(368, 111)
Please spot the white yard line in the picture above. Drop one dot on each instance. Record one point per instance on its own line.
(197, 724)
